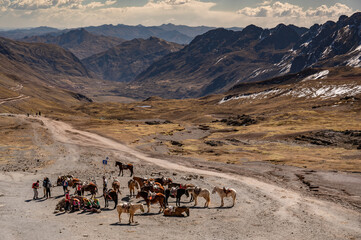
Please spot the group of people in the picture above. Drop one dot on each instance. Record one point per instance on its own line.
(46, 187)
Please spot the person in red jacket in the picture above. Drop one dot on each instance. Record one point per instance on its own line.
(67, 200)
(35, 188)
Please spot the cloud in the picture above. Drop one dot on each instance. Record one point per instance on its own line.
(77, 13)
(287, 10)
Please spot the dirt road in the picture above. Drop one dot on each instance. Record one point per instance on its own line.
(262, 210)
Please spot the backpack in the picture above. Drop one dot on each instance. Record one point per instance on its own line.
(34, 185)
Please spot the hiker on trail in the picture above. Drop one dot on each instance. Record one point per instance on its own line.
(65, 185)
(105, 184)
(48, 186)
(39, 113)
(45, 183)
(35, 187)
(67, 200)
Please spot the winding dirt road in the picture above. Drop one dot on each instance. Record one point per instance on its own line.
(262, 211)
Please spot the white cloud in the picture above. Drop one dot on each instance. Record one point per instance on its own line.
(284, 10)
(77, 13)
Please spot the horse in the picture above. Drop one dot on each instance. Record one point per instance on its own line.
(124, 166)
(91, 187)
(132, 184)
(200, 192)
(116, 186)
(178, 194)
(158, 198)
(140, 180)
(110, 195)
(73, 182)
(163, 180)
(130, 208)
(153, 187)
(176, 211)
(223, 192)
(60, 179)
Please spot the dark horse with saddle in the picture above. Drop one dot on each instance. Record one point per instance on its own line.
(124, 167)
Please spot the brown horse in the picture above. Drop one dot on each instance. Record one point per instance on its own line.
(132, 184)
(176, 211)
(158, 198)
(91, 187)
(124, 166)
(110, 195)
(162, 180)
(60, 179)
(140, 180)
(116, 186)
(153, 187)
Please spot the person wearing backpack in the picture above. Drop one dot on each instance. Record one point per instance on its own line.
(35, 188)
(48, 187)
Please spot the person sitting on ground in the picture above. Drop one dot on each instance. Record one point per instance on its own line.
(35, 187)
(76, 205)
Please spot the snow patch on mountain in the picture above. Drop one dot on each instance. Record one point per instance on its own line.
(324, 92)
(319, 75)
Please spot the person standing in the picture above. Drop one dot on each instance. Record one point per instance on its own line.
(35, 188)
(65, 186)
(48, 188)
(67, 200)
(105, 184)
(78, 189)
(45, 183)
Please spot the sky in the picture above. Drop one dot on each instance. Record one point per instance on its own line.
(215, 13)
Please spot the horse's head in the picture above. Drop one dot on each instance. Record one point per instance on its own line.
(214, 190)
(117, 163)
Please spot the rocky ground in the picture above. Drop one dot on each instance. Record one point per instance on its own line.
(273, 202)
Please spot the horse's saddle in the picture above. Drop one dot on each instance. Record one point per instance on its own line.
(151, 195)
(226, 190)
(171, 208)
(126, 206)
(173, 191)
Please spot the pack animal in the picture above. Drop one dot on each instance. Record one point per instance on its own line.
(124, 167)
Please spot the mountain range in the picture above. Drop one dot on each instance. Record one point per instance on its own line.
(79, 41)
(124, 62)
(173, 33)
(217, 60)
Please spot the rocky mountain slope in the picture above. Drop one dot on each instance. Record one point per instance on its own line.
(125, 61)
(79, 41)
(219, 59)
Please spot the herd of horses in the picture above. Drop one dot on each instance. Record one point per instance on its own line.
(152, 191)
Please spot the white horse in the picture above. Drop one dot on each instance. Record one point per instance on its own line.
(130, 208)
(222, 192)
(200, 192)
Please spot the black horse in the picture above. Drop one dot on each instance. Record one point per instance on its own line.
(179, 194)
(110, 195)
(124, 166)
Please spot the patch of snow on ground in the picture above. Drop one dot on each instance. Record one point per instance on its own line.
(320, 75)
(354, 61)
(220, 60)
(326, 92)
(259, 95)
